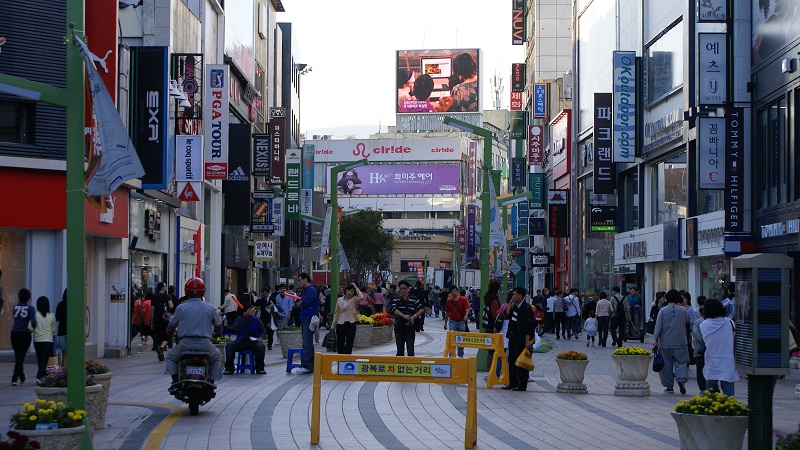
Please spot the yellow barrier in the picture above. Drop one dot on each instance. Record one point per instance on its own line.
(398, 369)
(491, 341)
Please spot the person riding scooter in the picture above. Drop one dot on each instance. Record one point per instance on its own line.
(195, 321)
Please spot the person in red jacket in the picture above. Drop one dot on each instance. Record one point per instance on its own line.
(142, 309)
(457, 309)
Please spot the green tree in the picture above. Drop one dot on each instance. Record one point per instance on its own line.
(364, 241)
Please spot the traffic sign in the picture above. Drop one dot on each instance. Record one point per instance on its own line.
(514, 268)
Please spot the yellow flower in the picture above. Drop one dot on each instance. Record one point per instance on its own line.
(61, 404)
(40, 401)
(32, 418)
(29, 407)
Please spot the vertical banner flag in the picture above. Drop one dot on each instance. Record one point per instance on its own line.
(324, 256)
(277, 126)
(558, 209)
(472, 213)
(118, 161)
(149, 103)
(539, 100)
(535, 145)
(293, 179)
(189, 167)
(215, 122)
(517, 22)
(711, 152)
(605, 173)
(188, 72)
(461, 233)
(277, 214)
(497, 236)
(307, 191)
(472, 170)
(624, 107)
(261, 155)
(734, 176)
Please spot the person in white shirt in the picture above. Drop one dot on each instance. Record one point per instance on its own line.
(285, 305)
(603, 312)
(549, 315)
(591, 328)
(571, 307)
(229, 307)
(718, 332)
(43, 335)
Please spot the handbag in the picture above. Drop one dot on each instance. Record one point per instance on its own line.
(658, 360)
(524, 360)
(314, 324)
(329, 341)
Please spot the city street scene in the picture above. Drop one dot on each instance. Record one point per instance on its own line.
(421, 224)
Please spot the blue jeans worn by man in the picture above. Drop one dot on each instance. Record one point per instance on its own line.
(457, 325)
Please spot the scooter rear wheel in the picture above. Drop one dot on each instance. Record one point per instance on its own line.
(194, 402)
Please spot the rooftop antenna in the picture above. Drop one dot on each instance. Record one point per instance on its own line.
(497, 89)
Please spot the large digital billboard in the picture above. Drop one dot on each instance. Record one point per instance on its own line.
(437, 81)
(400, 179)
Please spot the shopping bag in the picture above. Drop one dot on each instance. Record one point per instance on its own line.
(658, 360)
(524, 361)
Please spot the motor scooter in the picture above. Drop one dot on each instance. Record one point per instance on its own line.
(194, 385)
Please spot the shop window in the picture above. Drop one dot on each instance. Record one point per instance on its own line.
(630, 201)
(664, 64)
(670, 182)
(13, 264)
(772, 160)
(16, 124)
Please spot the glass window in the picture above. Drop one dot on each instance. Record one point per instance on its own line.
(772, 160)
(670, 189)
(664, 64)
(630, 202)
(595, 64)
(15, 123)
(13, 264)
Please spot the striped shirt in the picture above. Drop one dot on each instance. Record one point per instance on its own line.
(407, 307)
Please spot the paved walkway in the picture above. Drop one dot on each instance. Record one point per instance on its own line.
(273, 411)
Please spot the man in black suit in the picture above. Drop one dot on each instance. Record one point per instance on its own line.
(521, 327)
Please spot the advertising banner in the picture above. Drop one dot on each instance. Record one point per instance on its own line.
(471, 231)
(442, 81)
(261, 156)
(516, 101)
(260, 221)
(497, 235)
(712, 68)
(236, 188)
(293, 179)
(518, 171)
(387, 150)
(536, 188)
(711, 149)
(472, 169)
(277, 147)
(734, 179)
(400, 179)
(605, 172)
(624, 107)
(714, 11)
(602, 218)
(518, 77)
(519, 124)
(215, 122)
(558, 209)
(537, 226)
(263, 250)
(539, 100)
(189, 158)
(188, 68)
(535, 145)
(150, 113)
(277, 213)
(523, 214)
(517, 22)
(308, 166)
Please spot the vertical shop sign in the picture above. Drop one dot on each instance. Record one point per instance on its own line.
(293, 180)
(517, 22)
(471, 232)
(261, 155)
(277, 126)
(535, 145)
(712, 68)
(734, 179)
(604, 174)
(624, 107)
(149, 113)
(711, 150)
(558, 209)
(539, 100)
(215, 121)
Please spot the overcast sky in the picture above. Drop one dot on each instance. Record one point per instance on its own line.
(351, 46)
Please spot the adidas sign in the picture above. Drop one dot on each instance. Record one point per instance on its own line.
(238, 175)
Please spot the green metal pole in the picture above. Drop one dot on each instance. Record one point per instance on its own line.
(75, 262)
(505, 257)
(334, 244)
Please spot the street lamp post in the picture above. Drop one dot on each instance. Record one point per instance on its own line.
(334, 236)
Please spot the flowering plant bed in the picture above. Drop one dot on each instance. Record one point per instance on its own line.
(572, 355)
(381, 320)
(365, 320)
(631, 351)
(789, 442)
(44, 412)
(95, 367)
(220, 340)
(712, 403)
(57, 378)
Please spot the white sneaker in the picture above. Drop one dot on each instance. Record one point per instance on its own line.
(300, 370)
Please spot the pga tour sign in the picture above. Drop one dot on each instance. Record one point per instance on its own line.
(624, 107)
(215, 122)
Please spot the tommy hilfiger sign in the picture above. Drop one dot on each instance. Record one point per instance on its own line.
(734, 180)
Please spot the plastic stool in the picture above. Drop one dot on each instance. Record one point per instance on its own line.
(251, 362)
(289, 359)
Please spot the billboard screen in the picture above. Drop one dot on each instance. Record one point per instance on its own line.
(400, 179)
(387, 150)
(437, 81)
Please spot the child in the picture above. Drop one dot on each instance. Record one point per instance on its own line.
(591, 328)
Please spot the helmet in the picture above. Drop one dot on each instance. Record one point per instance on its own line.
(195, 287)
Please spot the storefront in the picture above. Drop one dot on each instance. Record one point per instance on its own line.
(639, 262)
(704, 248)
(150, 243)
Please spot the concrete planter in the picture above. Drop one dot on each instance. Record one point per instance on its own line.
(221, 348)
(572, 375)
(94, 400)
(377, 336)
(363, 337)
(388, 333)
(290, 339)
(57, 439)
(632, 371)
(699, 432)
(103, 379)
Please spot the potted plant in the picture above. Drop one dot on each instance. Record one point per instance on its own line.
(102, 376)
(789, 442)
(53, 387)
(54, 425)
(290, 337)
(572, 366)
(633, 365)
(364, 327)
(382, 328)
(711, 420)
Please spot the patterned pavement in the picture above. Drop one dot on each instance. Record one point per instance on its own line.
(273, 411)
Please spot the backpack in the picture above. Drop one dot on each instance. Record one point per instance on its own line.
(620, 308)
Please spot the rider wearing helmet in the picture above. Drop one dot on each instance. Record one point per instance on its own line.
(195, 321)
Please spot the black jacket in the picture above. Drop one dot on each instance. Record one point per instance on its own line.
(522, 326)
